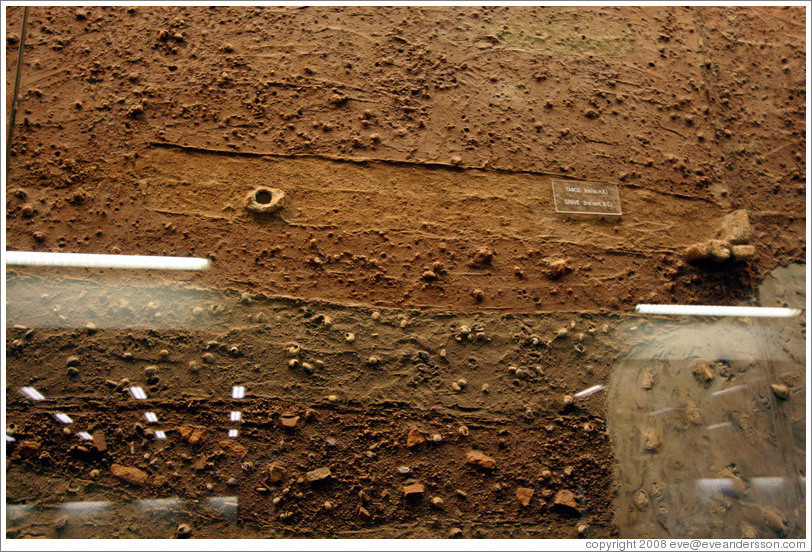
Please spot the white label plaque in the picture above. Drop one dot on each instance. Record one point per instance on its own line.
(590, 198)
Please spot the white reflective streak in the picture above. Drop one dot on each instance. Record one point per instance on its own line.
(236, 416)
(718, 426)
(32, 393)
(716, 485)
(768, 483)
(138, 393)
(238, 392)
(85, 435)
(712, 310)
(151, 417)
(723, 391)
(64, 418)
(84, 506)
(661, 411)
(233, 433)
(591, 390)
(10, 439)
(93, 260)
(160, 434)
(156, 503)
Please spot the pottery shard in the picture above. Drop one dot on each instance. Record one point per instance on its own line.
(318, 475)
(413, 489)
(480, 460)
(703, 372)
(190, 434)
(233, 449)
(736, 227)
(276, 473)
(414, 438)
(566, 500)
(781, 391)
(131, 475)
(523, 495)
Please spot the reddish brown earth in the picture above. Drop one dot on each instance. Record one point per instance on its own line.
(409, 141)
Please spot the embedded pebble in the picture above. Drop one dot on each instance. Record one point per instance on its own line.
(781, 391)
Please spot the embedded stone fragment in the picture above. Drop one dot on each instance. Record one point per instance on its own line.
(524, 495)
(318, 475)
(703, 372)
(480, 460)
(264, 200)
(565, 500)
(736, 227)
(191, 434)
(781, 391)
(414, 438)
(413, 489)
(131, 475)
(276, 473)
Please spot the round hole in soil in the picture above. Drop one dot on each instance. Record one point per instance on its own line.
(263, 196)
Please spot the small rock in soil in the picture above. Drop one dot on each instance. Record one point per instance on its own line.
(413, 489)
(556, 268)
(27, 449)
(480, 460)
(565, 500)
(652, 439)
(276, 473)
(455, 533)
(289, 420)
(73, 361)
(191, 435)
(183, 531)
(781, 391)
(703, 372)
(481, 258)
(318, 475)
(524, 495)
(736, 227)
(131, 475)
(437, 502)
(414, 438)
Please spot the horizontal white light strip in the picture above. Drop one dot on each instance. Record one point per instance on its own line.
(93, 260)
(160, 434)
(238, 392)
(10, 439)
(236, 416)
(138, 393)
(711, 310)
(151, 417)
(729, 390)
(64, 418)
(32, 393)
(85, 435)
(593, 389)
(718, 426)
(233, 433)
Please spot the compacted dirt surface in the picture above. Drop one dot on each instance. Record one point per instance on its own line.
(413, 327)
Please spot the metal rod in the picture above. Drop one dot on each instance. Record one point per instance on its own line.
(13, 114)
